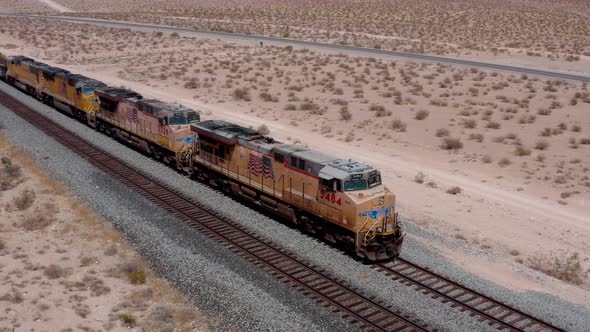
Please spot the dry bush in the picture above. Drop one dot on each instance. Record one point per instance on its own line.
(504, 162)
(398, 125)
(267, 97)
(54, 271)
(379, 110)
(263, 130)
(25, 200)
(134, 272)
(421, 115)
(345, 114)
(37, 220)
(521, 151)
(14, 297)
(111, 251)
(451, 143)
(544, 111)
(442, 132)
(563, 267)
(290, 107)
(585, 141)
(137, 277)
(541, 145)
(476, 137)
(10, 174)
(419, 178)
(128, 320)
(486, 159)
(454, 190)
(469, 123)
(576, 128)
(2, 244)
(493, 125)
(242, 94)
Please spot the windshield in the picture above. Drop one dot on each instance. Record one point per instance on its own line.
(355, 185)
(87, 90)
(177, 119)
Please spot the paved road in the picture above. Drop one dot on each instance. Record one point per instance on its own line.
(358, 50)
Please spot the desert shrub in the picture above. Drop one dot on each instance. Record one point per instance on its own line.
(25, 200)
(265, 96)
(263, 130)
(398, 125)
(454, 190)
(137, 277)
(54, 271)
(514, 252)
(242, 94)
(442, 132)
(585, 141)
(290, 107)
(563, 267)
(576, 128)
(493, 125)
(521, 151)
(486, 159)
(451, 143)
(128, 320)
(504, 162)
(419, 178)
(469, 123)
(421, 115)
(544, 111)
(2, 244)
(37, 220)
(476, 137)
(541, 145)
(308, 106)
(345, 114)
(545, 132)
(192, 84)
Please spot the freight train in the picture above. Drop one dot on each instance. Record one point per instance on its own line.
(339, 200)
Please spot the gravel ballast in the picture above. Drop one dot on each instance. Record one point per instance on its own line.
(181, 253)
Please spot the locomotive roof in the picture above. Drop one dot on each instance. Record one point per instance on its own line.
(79, 80)
(118, 94)
(225, 131)
(161, 105)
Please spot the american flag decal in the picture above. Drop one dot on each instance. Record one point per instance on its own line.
(258, 166)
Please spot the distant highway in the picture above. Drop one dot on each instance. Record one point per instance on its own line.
(358, 50)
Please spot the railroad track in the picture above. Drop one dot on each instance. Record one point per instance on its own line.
(494, 313)
(325, 289)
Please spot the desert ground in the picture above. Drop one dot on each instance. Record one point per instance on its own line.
(497, 162)
(64, 268)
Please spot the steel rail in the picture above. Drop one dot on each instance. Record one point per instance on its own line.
(492, 312)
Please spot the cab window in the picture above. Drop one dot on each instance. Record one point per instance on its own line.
(87, 90)
(355, 185)
(177, 119)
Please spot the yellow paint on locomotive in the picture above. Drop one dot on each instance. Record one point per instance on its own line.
(22, 72)
(174, 138)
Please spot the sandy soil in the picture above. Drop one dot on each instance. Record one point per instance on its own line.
(63, 268)
(516, 146)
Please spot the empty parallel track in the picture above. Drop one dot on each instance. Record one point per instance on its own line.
(487, 310)
(313, 282)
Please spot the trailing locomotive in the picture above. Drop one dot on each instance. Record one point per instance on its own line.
(339, 200)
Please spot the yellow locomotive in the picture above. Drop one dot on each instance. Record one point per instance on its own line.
(74, 94)
(342, 201)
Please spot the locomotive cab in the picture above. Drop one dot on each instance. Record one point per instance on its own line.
(367, 205)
